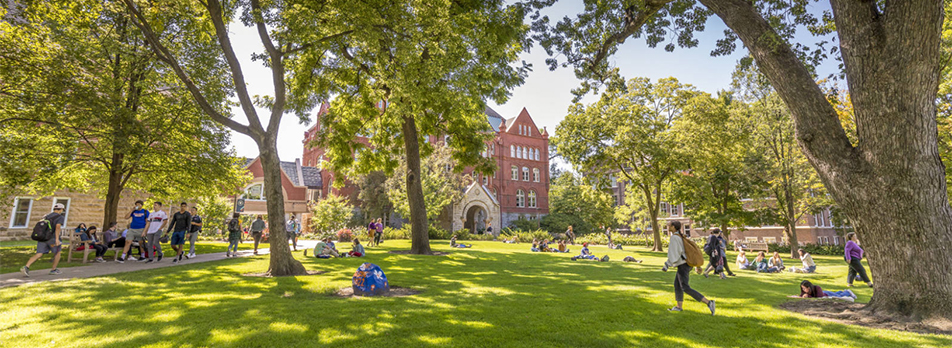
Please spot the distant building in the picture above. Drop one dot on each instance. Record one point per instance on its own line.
(300, 184)
(519, 188)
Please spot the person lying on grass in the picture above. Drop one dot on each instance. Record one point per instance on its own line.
(587, 255)
(808, 290)
(630, 259)
(357, 250)
(510, 241)
(455, 245)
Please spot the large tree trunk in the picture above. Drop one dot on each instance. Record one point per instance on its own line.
(419, 231)
(791, 212)
(113, 192)
(653, 205)
(282, 262)
(892, 184)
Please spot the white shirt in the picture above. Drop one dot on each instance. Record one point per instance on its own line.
(156, 219)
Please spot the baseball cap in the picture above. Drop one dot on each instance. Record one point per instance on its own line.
(58, 206)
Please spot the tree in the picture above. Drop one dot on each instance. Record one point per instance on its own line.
(107, 117)
(442, 185)
(402, 72)
(718, 176)
(891, 184)
(330, 214)
(374, 200)
(573, 202)
(629, 133)
(190, 61)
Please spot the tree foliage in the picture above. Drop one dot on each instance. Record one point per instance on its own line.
(374, 198)
(574, 202)
(442, 185)
(330, 214)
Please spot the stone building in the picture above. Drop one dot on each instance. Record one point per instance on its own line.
(26, 210)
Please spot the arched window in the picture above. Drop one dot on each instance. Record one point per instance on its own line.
(532, 199)
(525, 173)
(520, 199)
(537, 155)
(254, 192)
(518, 151)
(535, 174)
(494, 193)
(515, 173)
(525, 153)
(512, 151)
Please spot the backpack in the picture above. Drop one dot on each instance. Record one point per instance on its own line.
(233, 226)
(44, 229)
(692, 253)
(709, 247)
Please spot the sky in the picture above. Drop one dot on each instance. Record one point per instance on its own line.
(545, 94)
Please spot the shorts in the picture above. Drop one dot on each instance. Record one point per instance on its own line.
(136, 235)
(178, 238)
(48, 246)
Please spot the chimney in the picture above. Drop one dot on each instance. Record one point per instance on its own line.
(300, 172)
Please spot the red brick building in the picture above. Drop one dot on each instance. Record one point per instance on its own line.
(519, 187)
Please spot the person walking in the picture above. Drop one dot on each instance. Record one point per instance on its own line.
(608, 234)
(371, 231)
(153, 238)
(257, 229)
(853, 255)
(378, 232)
(293, 228)
(138, 219)
(570, 234)
(715, 254)
(234, 235)
(53, 245)
(193, 230)
(179, 226)
(677, 258)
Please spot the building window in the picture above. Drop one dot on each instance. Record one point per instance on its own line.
(535, 174)
(65, 202)
(512, 151)
(613, 180)
(528, 131)
(494, 194)
(21, 212)
(674, 210)
(770, 240)
(615, 199)
(515, 173)
(520, 199)
(485, 180)
(525, 173)
(750, 239)
(518, 151)
(537, 155)
(836, 240)
(664, 208)
(525, 153)
(532, 199)
(255, 192)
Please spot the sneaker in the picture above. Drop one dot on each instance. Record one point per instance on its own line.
(131, 258)
(852, 294)
(723, 276)
(174, 261)
(120, 260)
(710, 305)
(142, 259)
(150, 261)
(25, 270)
(191, 255)
(100, 260)
(160, 258)
(574, 258)
(675, 309)
(187, 256)
(55, 272)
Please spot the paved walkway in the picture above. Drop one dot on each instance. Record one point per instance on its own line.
(112, 267)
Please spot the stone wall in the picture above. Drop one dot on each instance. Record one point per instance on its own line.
(82, 208)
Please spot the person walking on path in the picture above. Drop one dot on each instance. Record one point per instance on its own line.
(157, 220)
(257, 229)
(608, 234)
(715, 252)
(371, 231)
(179, 227)
(570, 235)
(234, 235)
(853, 255)
(378, 231)
(293, 229)
(193, 230)
(54, 245)
(677, 258)
(138, 218)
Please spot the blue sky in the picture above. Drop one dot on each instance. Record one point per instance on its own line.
(545, 94)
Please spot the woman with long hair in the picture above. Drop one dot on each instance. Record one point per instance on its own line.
(808, 290)
(853, 255)
(95, 242)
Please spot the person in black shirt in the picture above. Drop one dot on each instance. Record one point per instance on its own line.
(196, 228)
(180, 223)
(53, 245)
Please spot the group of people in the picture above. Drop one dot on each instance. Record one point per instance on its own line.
(375, 231)
(144, 233)
(326, 248)
(544, 247)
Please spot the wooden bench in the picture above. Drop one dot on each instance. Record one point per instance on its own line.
(751, 246)
(74, 243)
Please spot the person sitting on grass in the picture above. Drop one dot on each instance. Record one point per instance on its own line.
(535, 246)
(455, 245)
(587, 255)
(562, 247)
(357, 250)
(631, 259)
(808, 290)
(742, 262)
(808, 265)
(760, 263)
(776, 263)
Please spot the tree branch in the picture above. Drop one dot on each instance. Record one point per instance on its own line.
(277, 67)
(634, 20)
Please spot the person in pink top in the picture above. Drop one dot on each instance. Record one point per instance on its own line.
(854, 258)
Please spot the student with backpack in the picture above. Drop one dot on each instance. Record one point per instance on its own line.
(46, 233)
(234, 236)
(684, 254)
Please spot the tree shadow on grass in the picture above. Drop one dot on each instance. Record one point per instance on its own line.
(472, 298)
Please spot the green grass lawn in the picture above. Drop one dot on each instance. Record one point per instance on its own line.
(14, 255)
(494, 295)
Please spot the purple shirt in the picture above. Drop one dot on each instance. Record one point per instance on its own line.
(853, 251)
(379, 227)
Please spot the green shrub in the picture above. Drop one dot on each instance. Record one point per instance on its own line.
(525, 225)
(465, 235)
(627, 240)
(396, 233)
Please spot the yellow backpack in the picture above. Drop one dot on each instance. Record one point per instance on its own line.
(692, 253)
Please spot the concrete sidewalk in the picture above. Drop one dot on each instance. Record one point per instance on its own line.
(109, 267)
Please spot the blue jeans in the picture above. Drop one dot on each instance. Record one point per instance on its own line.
(233, 246)
(841, 293)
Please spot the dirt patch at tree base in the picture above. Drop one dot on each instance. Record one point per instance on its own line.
(407, 252)
(395, 291)
(268, 275)
(857, 314)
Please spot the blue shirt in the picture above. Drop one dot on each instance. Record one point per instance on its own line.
(139, 218)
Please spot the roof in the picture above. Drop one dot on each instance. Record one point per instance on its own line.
(312, 177)
(290, 169)
(493, 118)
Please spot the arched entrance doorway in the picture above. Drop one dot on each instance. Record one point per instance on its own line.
(476, 217)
